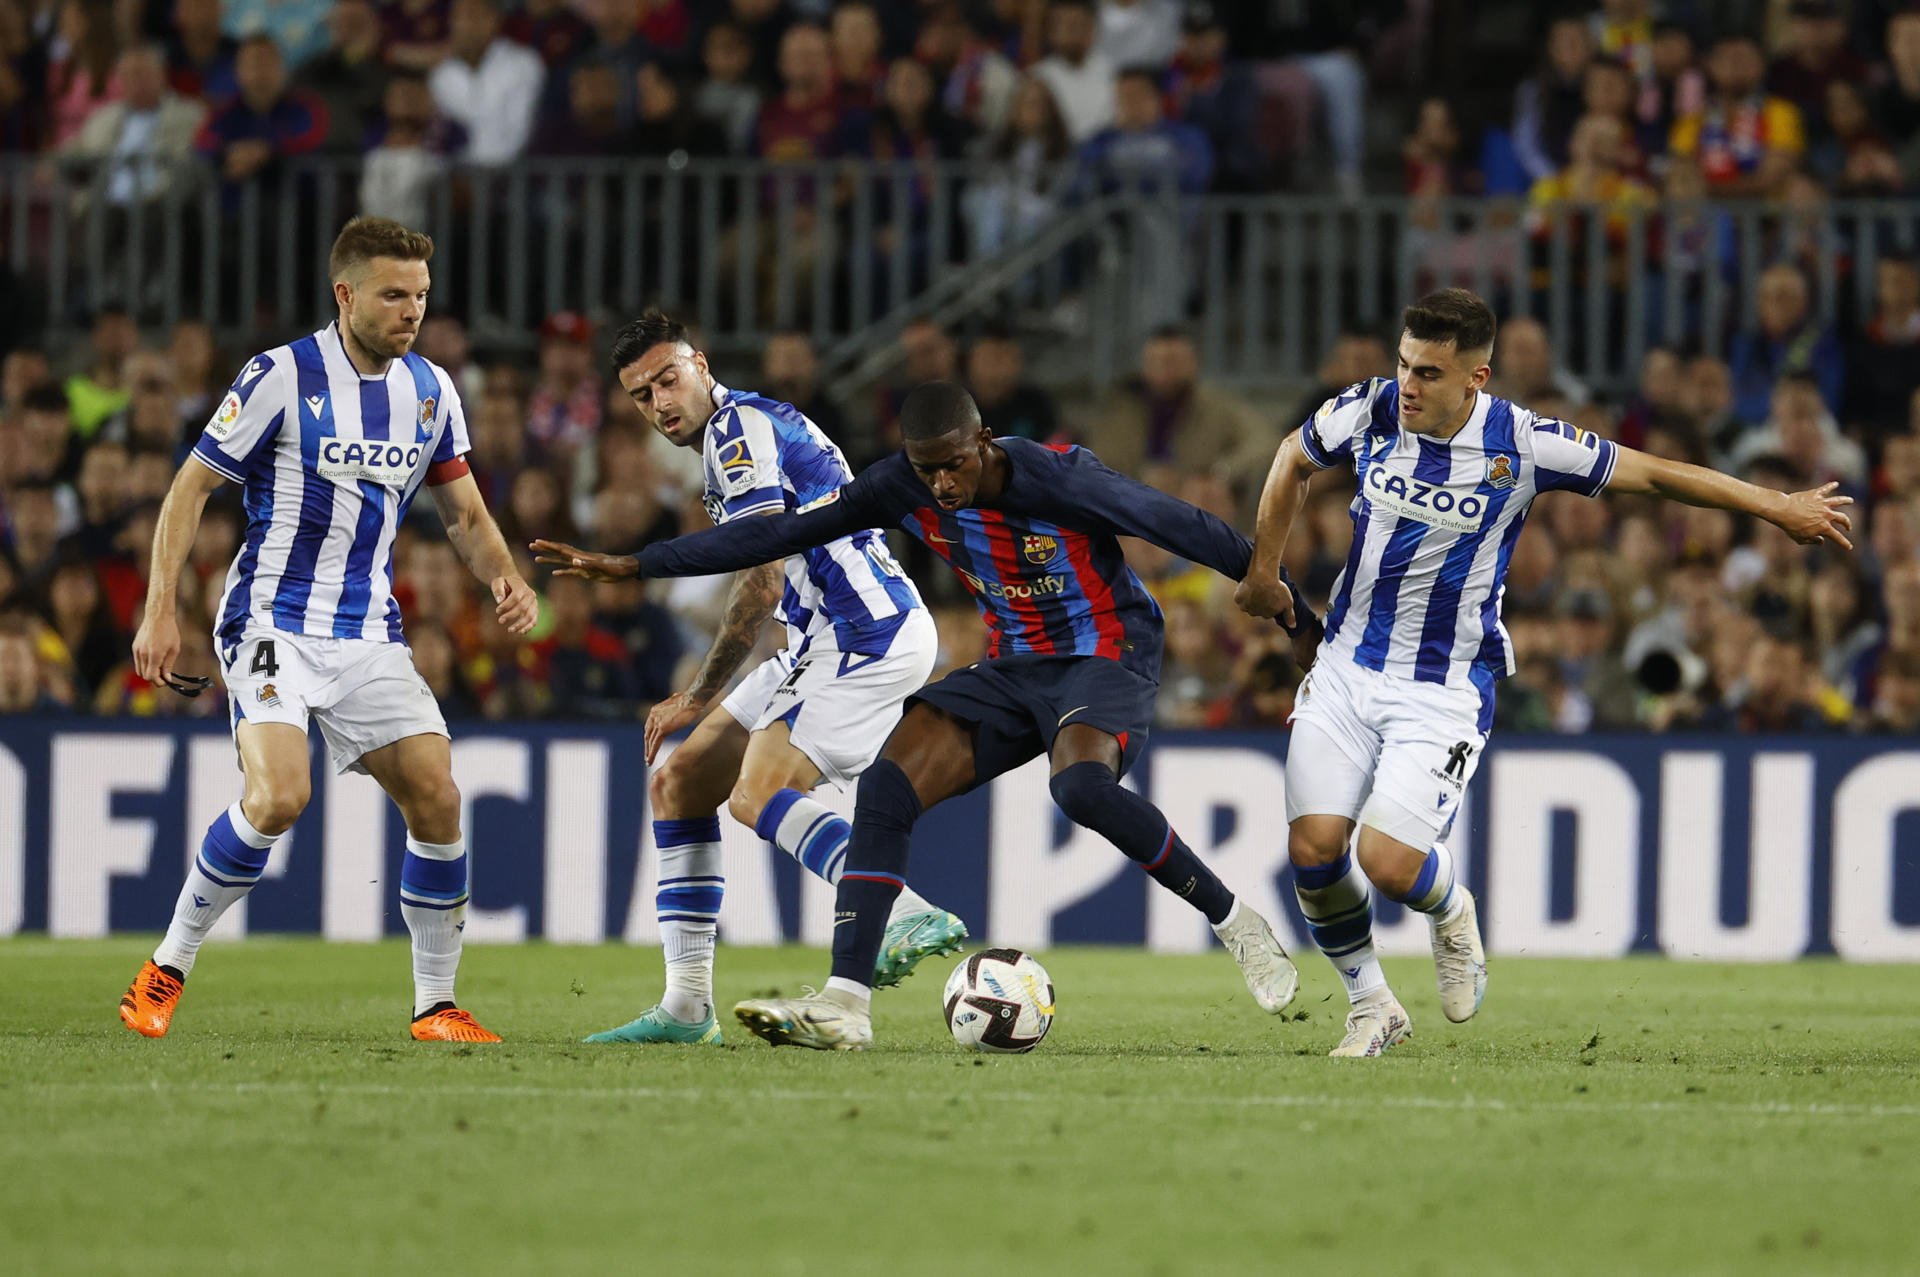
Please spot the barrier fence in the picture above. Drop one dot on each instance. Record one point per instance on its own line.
(1719, 848)
(849, 251)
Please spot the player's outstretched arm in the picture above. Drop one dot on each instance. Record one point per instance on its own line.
(1284, 492)
(1810, 517)
(744, 543)
(476, 539)
(157, 646)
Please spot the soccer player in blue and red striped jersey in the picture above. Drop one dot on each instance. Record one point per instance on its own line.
(1072, 669)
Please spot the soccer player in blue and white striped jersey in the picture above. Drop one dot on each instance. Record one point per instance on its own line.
(331, 437)
(1390, 724)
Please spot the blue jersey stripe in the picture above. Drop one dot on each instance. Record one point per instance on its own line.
(316, 494)
(1442, 623)
(376, 410)
(1433, 465)
(1343, 598)
(1493, 649)
(258, 499)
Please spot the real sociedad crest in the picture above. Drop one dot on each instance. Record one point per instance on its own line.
(1500, 471)
(1038, 549)
(427, 406)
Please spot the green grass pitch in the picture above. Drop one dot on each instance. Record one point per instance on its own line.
(1599, 1117)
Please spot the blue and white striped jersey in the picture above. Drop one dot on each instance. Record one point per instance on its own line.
(1434, 526)
(330, 460)
(762, 456)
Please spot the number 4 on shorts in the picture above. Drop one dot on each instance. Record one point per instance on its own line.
(264, 660)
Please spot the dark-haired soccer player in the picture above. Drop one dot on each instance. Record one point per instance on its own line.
(1072, 668)
(1392, 721)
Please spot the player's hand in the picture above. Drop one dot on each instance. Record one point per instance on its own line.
(519, 606)
(156, 647)
(1816, 516)
(668, 717)
(1265, 597)
(585, 564)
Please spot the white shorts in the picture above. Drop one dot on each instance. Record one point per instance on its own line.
(1382, 750)
(364, 695)
(838, 706)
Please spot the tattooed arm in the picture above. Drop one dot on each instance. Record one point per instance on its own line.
(750, 601)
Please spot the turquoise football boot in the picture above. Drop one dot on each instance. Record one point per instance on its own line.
(913, 938)
(657, 1026)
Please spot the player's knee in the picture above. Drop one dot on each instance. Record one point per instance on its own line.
(1083, 791)
(433, 810)
(747, 801)
(1313, 842)
(670, 788)
(273, 803)
(886, 796)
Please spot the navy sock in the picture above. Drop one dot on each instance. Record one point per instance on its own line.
(1093, 796)
(885, 808)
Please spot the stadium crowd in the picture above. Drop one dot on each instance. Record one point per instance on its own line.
(1624, 616)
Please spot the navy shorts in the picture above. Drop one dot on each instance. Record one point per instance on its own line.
(1018, 704)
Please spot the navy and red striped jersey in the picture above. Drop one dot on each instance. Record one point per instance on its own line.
(1042, 562)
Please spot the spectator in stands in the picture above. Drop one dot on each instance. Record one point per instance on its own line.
(1778, 691)
(102, 490)
(1218, 97)
(859, 70)
(1896, 700)
(488, 85)
(197, 382)
(590, 126)
(350, 76)
(497, 420)
(1659, 401)
(1320, 45)
(1896, 107)
(1598, 175)
(976, 79)
(1624, 31)
(1841, 621)
(1597, 689)
(1021, 189)
(417, 33)
(1550, 102)
(78, 617)
(1353, 357)
(1788, 338)
(299, 27)
(33, 529)
(1009, 404)
(564, 411)
(648, 633)
(928, 354)
(1143, 152)
(551, 28)
(1744, 141)
(1802, 431)
(23, 368)
(1138, 33)
(790, 371)
(616, 43)
(727, 96)
(1166, 421)
(81, 62)
(145, 137)
(1883, 362)
(100, 389)
(1816, 56)
(1525, 370)
(583, 666)
(444, 340)
(1853, 158)
(47, 449)
(409, 153)
(266, 123)
(23, 686)
(439, 666)
(763, 24)
(202, 58)
(667, 26)
(1675, 88)
(1608, 91)
(1432, 162)
(1081, 80)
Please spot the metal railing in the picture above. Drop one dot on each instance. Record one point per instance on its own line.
(850, 252)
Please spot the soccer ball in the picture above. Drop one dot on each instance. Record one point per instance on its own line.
(999, 1000)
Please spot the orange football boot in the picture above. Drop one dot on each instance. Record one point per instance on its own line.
(448, 1023)
(147, 1005)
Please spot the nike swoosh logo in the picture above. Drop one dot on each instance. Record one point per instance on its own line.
(937, 539)
(841, 922)
(1070, 713)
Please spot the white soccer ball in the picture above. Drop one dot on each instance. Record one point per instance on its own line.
(999, 1000)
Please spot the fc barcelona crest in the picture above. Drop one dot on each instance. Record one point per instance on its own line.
(1500, 471)
(1039, 550)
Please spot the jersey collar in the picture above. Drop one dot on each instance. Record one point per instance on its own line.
(333, 330)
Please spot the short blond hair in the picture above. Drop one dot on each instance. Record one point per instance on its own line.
(365, 238)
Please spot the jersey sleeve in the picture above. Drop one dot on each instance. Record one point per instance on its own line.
(1327, 437)
(246, 423)
(450, 453)
(1567, 458)
(743, 465)
(743, 543)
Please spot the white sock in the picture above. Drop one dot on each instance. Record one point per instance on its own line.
(850, 989)
(433, 900)
(805, 829)
(687, 903)
(1338, 906)
(1436, 890)
(232, 857)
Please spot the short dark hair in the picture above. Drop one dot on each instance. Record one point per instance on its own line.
(639, 336)
(364, 238)
(935, 409)
(1452, 315)
(45, 397)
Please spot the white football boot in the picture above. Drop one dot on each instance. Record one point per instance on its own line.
(1374, 1025)
(825, 1021)
(1460, 961)
(1270, 974)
